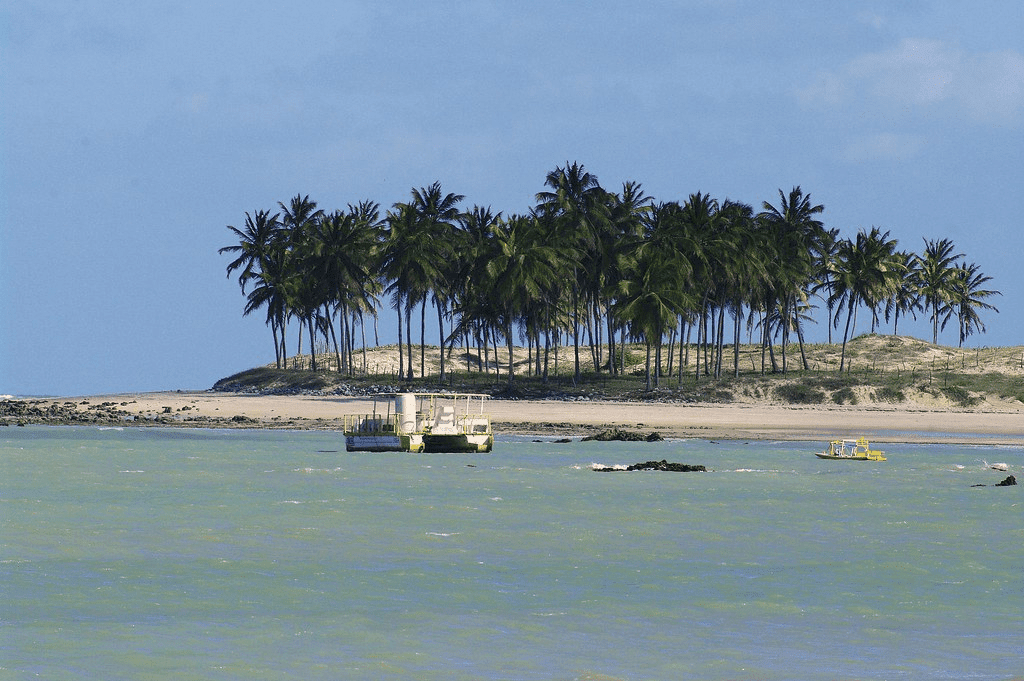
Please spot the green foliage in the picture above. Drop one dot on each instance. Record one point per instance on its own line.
(961, 396)
(799, 393)
(889, 394)
(844, 395)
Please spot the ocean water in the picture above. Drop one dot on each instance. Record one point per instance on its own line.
(224, 554)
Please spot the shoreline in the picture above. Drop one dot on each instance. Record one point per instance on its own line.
(208, 409)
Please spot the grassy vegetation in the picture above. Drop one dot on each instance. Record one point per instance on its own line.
(882, 369)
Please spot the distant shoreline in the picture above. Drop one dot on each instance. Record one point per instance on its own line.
(207, 409)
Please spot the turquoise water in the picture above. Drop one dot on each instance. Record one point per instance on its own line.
(216, 554)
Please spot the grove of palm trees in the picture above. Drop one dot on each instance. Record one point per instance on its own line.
(585, 278)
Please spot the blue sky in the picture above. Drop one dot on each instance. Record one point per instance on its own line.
(132, 133)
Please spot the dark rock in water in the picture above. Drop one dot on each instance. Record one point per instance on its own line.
(619, 435)
(563, 441)
(1007, 482)
(662, 465)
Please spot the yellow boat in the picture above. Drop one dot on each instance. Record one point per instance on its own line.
(853, 450)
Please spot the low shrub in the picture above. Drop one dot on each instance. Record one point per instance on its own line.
(889, 394)
(844, 395)
(797, 393)
(961, 396)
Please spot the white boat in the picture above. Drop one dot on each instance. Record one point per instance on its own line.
(422, 422)
(851, 450)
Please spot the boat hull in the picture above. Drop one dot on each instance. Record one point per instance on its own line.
(458, 443)
(383, 443)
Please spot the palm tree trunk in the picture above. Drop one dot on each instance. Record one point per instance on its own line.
(511, 363)
(846, 333)
(401, 354)
(647, 365)
(408, 337)
(423, 336)
(362, 330)
(277, 345)
(738, 325)
(312, 342)
(440, 335)
(576, 331)
(800, 340)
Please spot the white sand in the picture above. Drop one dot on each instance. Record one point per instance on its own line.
(744, 421)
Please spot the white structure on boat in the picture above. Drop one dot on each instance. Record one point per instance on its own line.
(422, 422)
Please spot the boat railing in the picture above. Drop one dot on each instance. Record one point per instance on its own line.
(371, 424)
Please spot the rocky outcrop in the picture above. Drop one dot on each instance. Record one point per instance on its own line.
(619, 435)
(24, 412)
(1008, 481)
(662, 465)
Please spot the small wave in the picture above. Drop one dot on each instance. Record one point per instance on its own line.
(442, 534)
(131, 471)
(614, 467)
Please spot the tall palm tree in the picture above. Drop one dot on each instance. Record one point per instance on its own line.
(254, 244)
(341, 251)
(436, 215)
(798, 234)
(625, 230)
(935, 271)
(746, 270)
(968, 297)
(824, 269)
(367, 218)
(406, 266)
(867, 271)
(276, 286)
(257, 247)
(703, 243)
(518, 266)
(297, 218)
(577, 207)
(466, 273)
(905, 297)
(650, 298)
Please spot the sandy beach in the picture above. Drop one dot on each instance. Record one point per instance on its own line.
(903, 423)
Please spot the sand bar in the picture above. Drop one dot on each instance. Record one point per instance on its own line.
(550, 417)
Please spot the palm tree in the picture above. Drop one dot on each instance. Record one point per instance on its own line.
(798, 235)
(650, 299)
(746, 269)
(367, 218)
(436, 214)
(254, 244)
(968, 298)
(297, 218)
(627, 214)
(935, 271)
(866, 272)
(576, 205)
(257, 247)
(407, 265)
(905, 297)
(825, 265)
(518, 266)
(276, 286)
(341, 249)
(467, 275)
